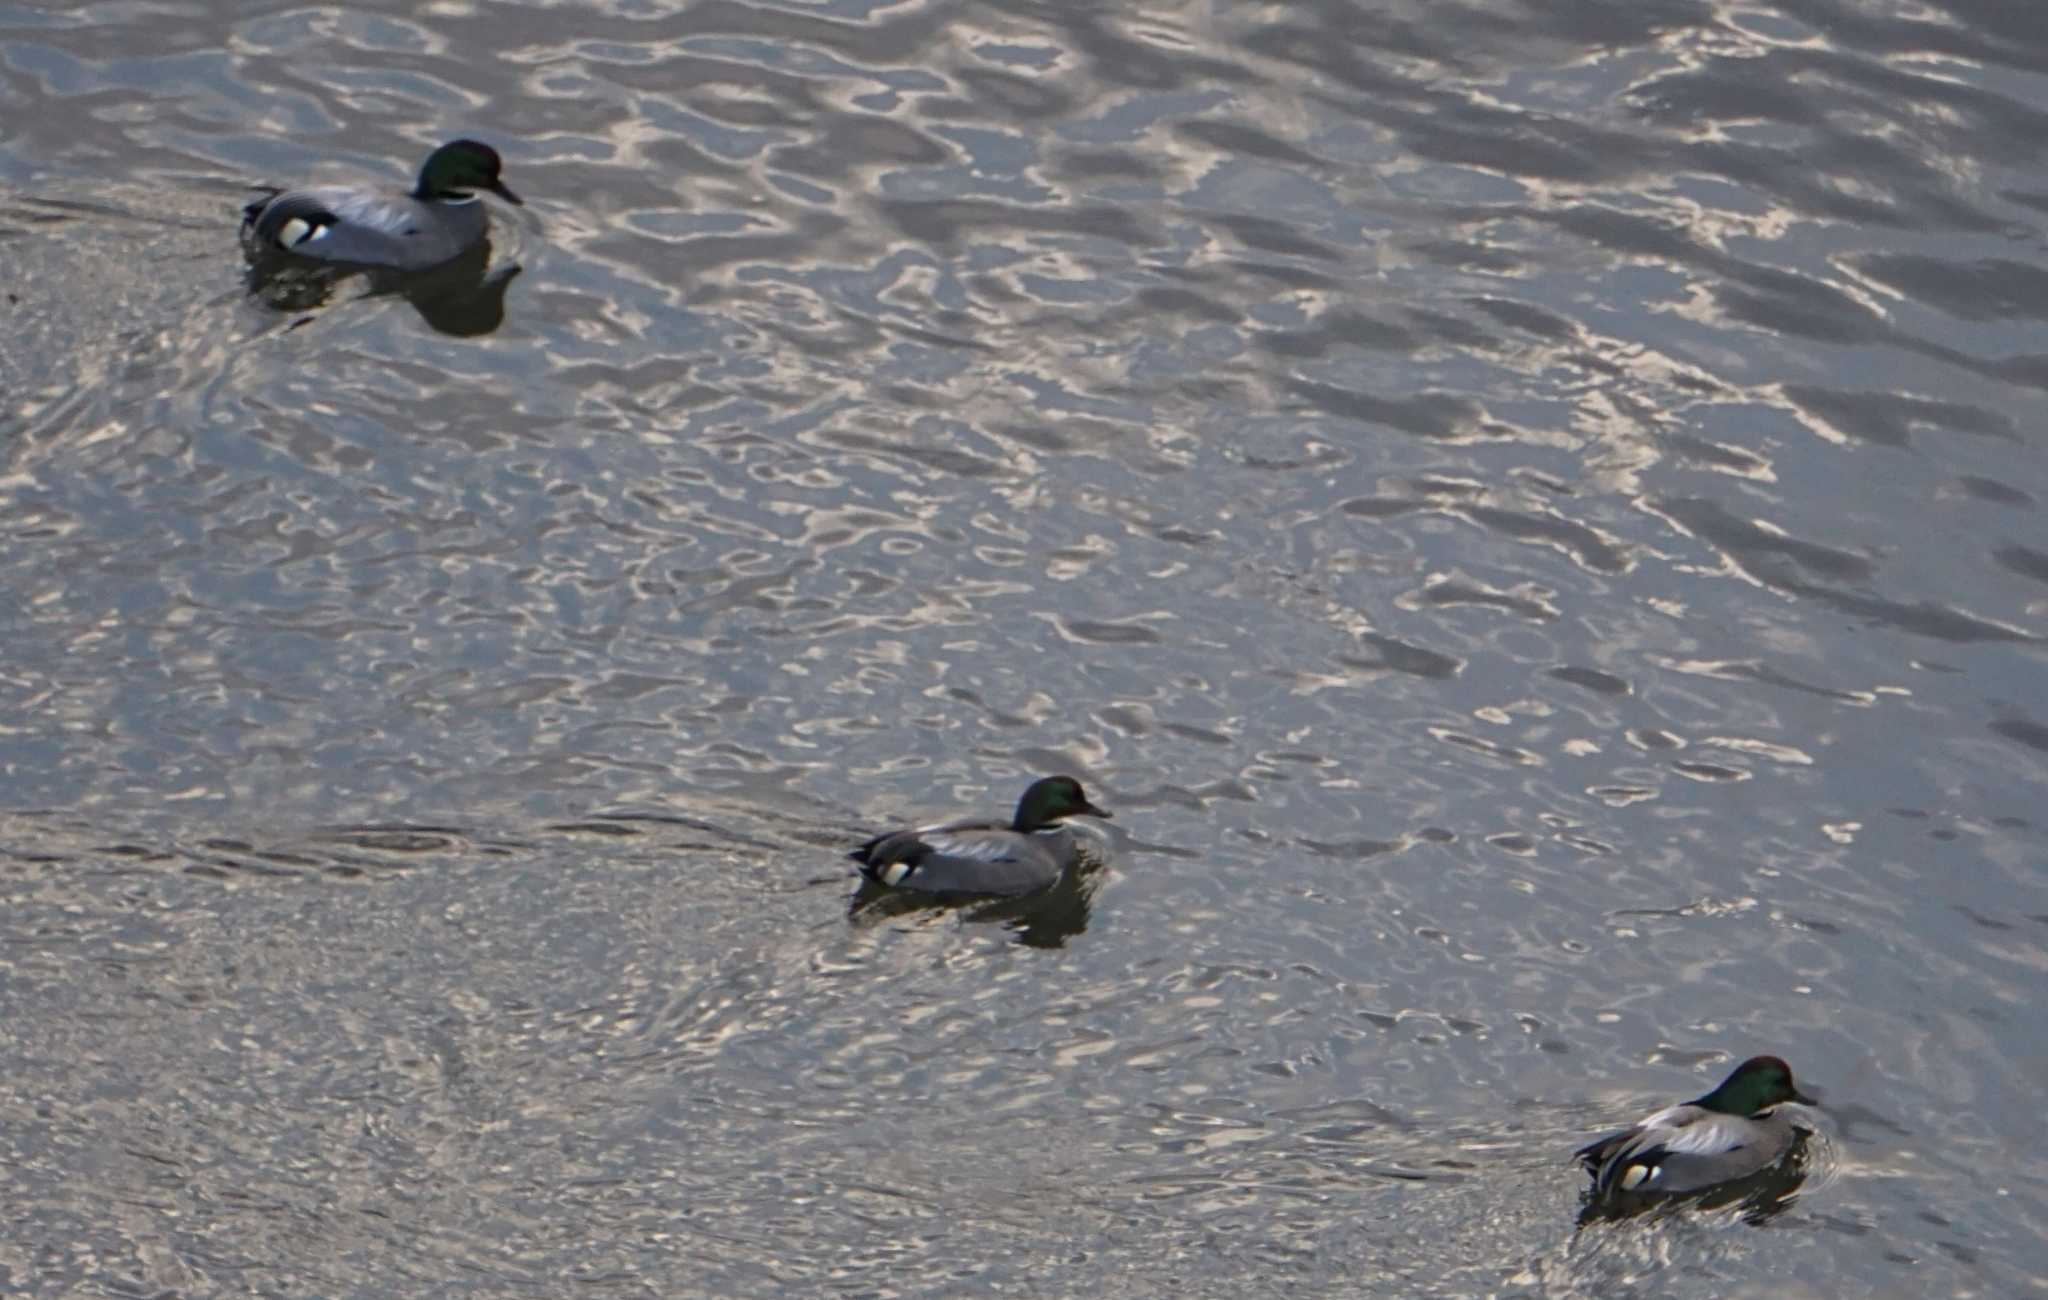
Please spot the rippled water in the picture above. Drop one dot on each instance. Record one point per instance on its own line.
(1531, 516)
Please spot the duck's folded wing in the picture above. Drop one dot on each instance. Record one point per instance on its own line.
(386, 213)
(1596, 1155)
(893, 845)
(980, 845)
(338, 224)
(1002, 863)
(965, 859)
(1705, 1149)
(289, 219)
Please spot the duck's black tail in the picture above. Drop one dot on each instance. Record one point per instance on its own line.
(254, 207)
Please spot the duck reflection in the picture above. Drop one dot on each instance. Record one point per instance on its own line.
(1046, 919)
(463, 297)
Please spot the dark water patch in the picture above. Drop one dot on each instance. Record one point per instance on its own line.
(1344, 328)
(1711, 772)
(1434, 416)
(1528, 318)
(2022, 731)
(1383, 507)
(1592, 679)
(1233, 139)
(1107, 164)
(1202, 735)
(1984, 489)
(945, 223)
(2023, 560)
(609, 829)
(1621, 796)
(833, 153)
(1400, 656)
(1350, 850)
(1892, 418)
(1767, 675)
(1718, 456)
(1763, 551)
(1096, 633)
(1018, 98)
(1726, 90)
(1200, 799)
(1467, 134)
(398, 839)
(1584, 545)
(1449, 593)
(1984, 290)
(1481, 745)
(1187, 304)
(1919, 618)
(1286, 275)
(1441, 329)
(1277, 237)
(1803, 307)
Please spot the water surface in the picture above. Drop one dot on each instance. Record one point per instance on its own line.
(1531, 519)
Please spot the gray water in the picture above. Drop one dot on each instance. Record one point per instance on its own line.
(1531, 516)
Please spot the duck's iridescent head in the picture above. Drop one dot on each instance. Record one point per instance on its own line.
(460, 167)
(1049, 799)
(1757, 1084)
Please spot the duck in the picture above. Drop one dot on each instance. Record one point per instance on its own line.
(1028, 853)
(1737, 1130)
(439, 218)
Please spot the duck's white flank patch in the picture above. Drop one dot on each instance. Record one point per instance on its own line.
(1637, 1175)
(894, 873)
(299, 231)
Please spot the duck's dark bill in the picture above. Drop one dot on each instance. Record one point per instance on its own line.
(499, 188)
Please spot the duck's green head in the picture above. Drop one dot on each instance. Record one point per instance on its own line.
(460, 167)
(1050, 798)
(1757, 1084)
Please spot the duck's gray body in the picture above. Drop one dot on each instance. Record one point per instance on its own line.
(969, 858)
(341, 223)
(1027, 854)
(1738, 1129)
(1686, 1148)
